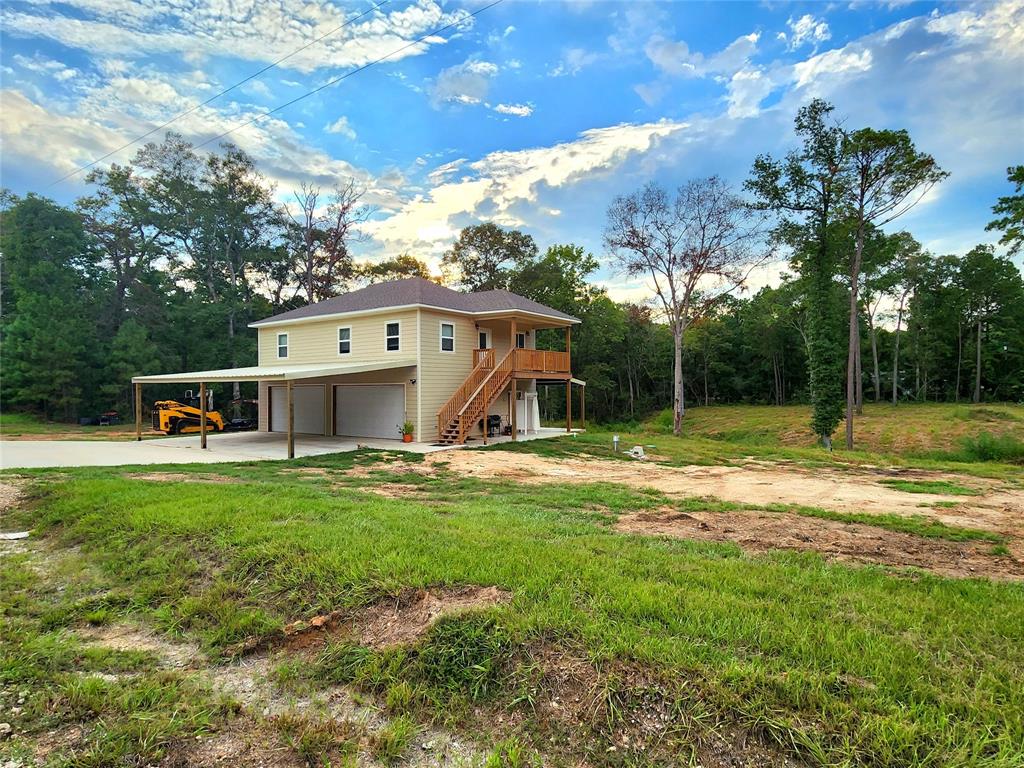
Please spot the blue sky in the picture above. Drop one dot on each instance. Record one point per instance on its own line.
(531, 114)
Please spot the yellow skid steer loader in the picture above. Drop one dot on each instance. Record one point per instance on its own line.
(178, 418)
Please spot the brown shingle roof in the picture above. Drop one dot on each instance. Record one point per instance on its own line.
(416, 290)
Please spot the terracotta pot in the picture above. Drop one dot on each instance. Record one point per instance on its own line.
(406, 438)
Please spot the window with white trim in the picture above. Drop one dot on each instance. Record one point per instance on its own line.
(282, 345)
(521, 341)
(447, 337)
(392, 335)
(344, 340)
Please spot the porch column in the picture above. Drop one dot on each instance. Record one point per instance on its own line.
(568, 405)
(568, 344)
(513, 409)
(291, 420)
(138, 412)
(202, 415)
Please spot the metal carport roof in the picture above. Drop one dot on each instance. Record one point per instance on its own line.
(272, 372)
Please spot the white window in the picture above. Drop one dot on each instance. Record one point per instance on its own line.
(391, 337)
(521, 340)
(447, 337)
(344, 341)
(282, 345)
(485, 340)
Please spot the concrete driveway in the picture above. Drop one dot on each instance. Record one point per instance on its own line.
(234, 446)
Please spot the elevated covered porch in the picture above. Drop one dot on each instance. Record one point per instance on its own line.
(511, 370)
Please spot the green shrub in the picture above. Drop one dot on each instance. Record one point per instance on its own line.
(988, 447)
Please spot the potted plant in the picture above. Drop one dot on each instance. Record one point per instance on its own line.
(407, 432)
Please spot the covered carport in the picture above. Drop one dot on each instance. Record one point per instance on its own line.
(285, 388)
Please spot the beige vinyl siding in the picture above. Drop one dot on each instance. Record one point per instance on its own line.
(391, 376)
(441, 373)
(316, 341)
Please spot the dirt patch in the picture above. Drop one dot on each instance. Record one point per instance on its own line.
(395, 621)
(756, 531)
(393, 490)
(182, 477)
(996, 508)
(409, 616)
(247, 742)
(10, 495)
(128, 637)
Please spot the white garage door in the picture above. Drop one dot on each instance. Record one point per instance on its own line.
(369, 410)
(309, 409)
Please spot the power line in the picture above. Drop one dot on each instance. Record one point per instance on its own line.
(216, 96)
(349, 74)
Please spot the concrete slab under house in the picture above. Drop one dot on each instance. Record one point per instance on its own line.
(405, 363)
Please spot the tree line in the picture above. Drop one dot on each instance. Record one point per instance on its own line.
(166, 260)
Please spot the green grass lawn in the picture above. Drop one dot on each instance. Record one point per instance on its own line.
(905, 429)
(841, 665)
(14, 424)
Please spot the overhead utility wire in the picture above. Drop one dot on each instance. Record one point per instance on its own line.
(349, 74)
(218, 95)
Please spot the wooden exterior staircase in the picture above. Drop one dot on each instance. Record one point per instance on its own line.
(471, 400)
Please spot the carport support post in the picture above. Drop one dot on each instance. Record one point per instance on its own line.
(291, 421)
(514, 408)
(138, 411)
(202, 415)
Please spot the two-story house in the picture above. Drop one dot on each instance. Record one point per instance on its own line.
(406, 351)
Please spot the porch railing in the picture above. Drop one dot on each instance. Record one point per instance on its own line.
(542, 361)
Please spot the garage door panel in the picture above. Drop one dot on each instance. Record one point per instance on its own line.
(369, 410)
(309, 409)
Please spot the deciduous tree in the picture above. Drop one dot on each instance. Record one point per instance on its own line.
(696, 247)
(888, 178)
(485, 255)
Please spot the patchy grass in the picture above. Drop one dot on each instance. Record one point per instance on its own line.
(843, 665)
(917, 525)
(942, 487)
(129, 707)
(715, 451)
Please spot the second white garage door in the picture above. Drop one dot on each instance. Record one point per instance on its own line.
(309, 409)
(369, 410)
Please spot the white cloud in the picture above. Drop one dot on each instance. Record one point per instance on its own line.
(651, 93)
(341, 126)
(838, 62)
(674, 57)
(504, 187)
(747, 89)
(517, 110)
(260, 32)
(465, 83)
(44, 66)
(807, 29)
(259, 89)
(573, 61)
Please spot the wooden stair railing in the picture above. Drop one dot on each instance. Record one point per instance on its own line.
(484, 364)
(458, 425)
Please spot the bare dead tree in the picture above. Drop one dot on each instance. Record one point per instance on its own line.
(323, 236)
(696, 248)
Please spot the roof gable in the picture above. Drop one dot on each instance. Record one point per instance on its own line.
(415, 291)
